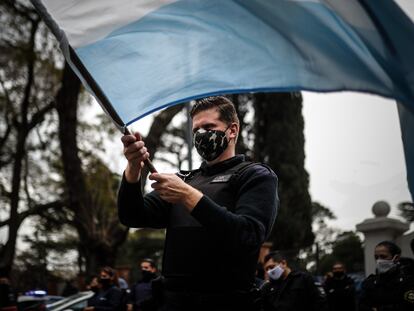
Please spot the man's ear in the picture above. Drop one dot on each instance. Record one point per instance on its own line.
(234, 131)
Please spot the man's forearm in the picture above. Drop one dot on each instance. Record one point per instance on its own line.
(132, 174)
(135, 211)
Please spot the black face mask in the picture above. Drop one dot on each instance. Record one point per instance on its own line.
(95, 289)
(338, 274)
(210, 144)
(106, 282)
(147, 275)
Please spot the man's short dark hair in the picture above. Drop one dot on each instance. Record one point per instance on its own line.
(391, 246)
(110, 271)
(224, 106)
(277, 256)
(339, 263)
(150, 261)
(90, 278)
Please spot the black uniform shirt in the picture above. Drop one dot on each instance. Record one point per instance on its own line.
(216, 246)
(109, 299)
(297, 292)
(391, 291)
(340, 293)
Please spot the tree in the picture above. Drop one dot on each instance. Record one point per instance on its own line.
(91, 196)
(279, 142)
(141, 244)
(43, 261)
(245, 141)
(347, 249)
(155, 138)
(28, 76)
(35, 85)
(325, 237)
(99, 247)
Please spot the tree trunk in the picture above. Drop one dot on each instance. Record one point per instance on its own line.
(279, 142)
(98, 244)
(158, 127)
(8, 251)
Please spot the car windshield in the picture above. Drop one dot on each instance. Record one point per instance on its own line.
(63, 301)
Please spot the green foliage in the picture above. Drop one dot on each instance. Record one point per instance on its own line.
(44, 260)
(244, 108)
(27, 87)
(347, 249)
(103, 185)
(325, 236)
(173, 148)
(279, 142)
(321, 213)
(143, 243)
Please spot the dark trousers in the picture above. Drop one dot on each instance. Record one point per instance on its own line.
(185, 301)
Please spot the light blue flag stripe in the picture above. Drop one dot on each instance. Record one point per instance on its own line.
(192, 48)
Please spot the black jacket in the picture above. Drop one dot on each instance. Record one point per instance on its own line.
(297, 292)
(110, 299)
(141, 295)
(221, 238)
(340, 293)
(391, 291)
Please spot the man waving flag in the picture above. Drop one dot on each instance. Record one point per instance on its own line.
(140, 56)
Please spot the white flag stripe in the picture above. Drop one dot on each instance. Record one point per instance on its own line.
(87, 21)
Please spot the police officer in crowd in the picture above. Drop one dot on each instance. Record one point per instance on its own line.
(109, 297)
(391, 288)
(95, 287)
(340, 289)
(289, 290)
(141, 297)
(216, 216)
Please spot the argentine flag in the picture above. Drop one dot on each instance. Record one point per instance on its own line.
(138, 56)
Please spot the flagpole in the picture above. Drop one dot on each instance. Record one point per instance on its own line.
(147, 162)
(103, 100)
(189, 138)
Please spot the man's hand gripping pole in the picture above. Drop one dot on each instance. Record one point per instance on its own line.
(147, 162)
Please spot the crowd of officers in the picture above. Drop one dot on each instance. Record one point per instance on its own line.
(391, 288)
(282, 288)
(217, 217)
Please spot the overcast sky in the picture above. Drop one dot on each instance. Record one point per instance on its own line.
(354, 154)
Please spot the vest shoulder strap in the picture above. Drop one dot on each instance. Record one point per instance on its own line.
(238, 171)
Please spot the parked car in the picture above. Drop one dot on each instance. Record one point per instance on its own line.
(36, 301)
(75, 302)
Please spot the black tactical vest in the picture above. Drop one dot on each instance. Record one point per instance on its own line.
(195, 258)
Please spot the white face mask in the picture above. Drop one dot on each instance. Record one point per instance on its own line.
(384, 265)
(275, 273)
